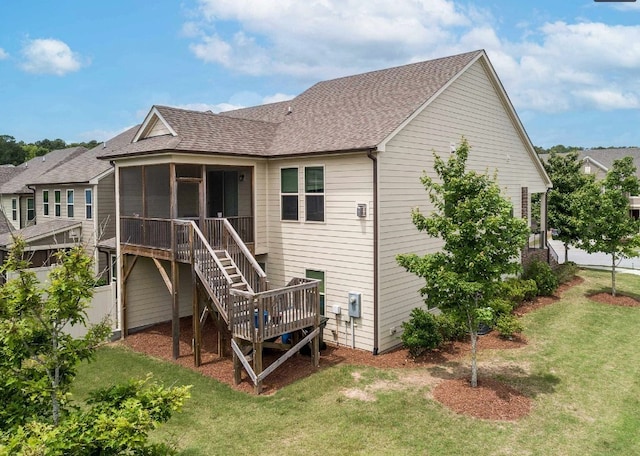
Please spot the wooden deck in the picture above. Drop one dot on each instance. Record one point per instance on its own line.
(236, 287)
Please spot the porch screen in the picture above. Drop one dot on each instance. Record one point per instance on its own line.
(131, 191)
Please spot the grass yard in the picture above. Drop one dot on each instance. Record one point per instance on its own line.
(581, 368)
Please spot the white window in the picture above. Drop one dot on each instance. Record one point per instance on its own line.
(45, 202)
(314, 193)
(31, 209)
(57, 202)
(319, 275)
(70, 203)
(88, 203)
(14, 209)
(289, 193)
(587, 169)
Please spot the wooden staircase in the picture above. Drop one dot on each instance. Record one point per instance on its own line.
(238, 282)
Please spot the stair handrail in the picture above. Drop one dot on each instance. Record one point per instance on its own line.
(246, 253)
(194, 227)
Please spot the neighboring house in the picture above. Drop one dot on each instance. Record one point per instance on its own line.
(599, 161)
(319, 188)
(16, 198)
(78, 197)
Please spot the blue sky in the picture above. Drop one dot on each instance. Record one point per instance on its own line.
(81, 70)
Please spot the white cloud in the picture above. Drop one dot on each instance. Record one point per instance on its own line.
(277, 97)
(3, 54)
(549, 66)
(49, 56)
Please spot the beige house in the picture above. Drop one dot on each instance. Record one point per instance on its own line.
(318, 188)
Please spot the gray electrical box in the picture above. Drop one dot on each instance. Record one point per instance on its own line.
(355, 301)
(361, 210)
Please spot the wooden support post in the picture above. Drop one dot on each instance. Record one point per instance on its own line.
(237, 366)
(175, 314)
(315, 346)
(123, 296)
(257, 364)
(220, 327)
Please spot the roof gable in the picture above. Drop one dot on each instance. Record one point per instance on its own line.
(154, 125)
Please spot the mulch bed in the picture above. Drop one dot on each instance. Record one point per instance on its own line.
(618, 300)
(490, 400)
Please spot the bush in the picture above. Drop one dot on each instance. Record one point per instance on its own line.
(518, 290)
(508, 325)
(544, 277)
(500, 307)
(566, 272)
(421, 332)
(452, 327)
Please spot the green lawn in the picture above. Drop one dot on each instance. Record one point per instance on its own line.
(581, 368)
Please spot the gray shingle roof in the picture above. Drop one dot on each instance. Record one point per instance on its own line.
(5, 226)
(349, 113)
(606, 157)
(85, 166)
(8, 172)
(37, 166)
(39, 231)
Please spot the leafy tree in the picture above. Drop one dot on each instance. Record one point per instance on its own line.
(605, 222)
(38, 362)
(38, 358)
(482, 241)
(10, 151)
(562, 208)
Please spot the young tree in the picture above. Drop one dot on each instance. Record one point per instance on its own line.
(605, 222)
(482, 241)
(39, 358)
(562, 210)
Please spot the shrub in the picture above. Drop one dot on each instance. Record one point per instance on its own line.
(421, 332)
(566, 272)
(451, 327)
(518, 290)
(508, 325)
(544, 277)
(500, 307)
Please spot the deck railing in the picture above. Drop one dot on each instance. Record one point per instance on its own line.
(262, 316)
(146, 232)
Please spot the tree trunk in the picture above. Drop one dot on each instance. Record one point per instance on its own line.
(613, 274)
(474, 341)
(55, 405)
(566, 252)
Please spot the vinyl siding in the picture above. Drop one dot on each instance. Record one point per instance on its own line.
(7, 209)
(149, 300)
(341, 246)
(104, 206)
(469, 107)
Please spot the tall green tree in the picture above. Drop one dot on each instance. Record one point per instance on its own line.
(11, 151)
(38, 358)
(482, 242)
(563, 212)
(605, 222)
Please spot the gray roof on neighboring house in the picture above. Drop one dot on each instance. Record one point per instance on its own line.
(350, 113)
(37, 166)
(8, 172)
(86, 166)
(39, 231)
(5, 226)
(606, 157)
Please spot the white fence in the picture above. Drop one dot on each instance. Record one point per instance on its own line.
(102, 305)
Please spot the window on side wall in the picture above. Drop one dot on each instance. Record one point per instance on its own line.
(70, 203)
(318, 275)
(314, 193)
(31, 209)
(45, 202)
(57, 202)
(88, 204)
(289, 193)
(14, 209)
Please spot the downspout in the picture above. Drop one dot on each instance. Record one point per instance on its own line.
(374, 159)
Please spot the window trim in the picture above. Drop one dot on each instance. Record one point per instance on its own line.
(290, 194)
(14, 209)
(88, 207)
(70, 205)
(45, 203)
(322, 195)
(57, 206)
(31, 211)
(322, 294)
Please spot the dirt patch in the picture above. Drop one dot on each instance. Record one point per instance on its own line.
(490, 400)
(619, 300)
